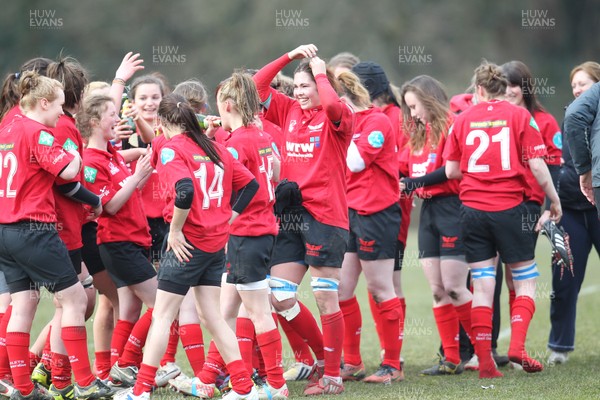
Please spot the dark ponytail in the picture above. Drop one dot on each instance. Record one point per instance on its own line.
(72, 75)
(175, 110)
(10, 87)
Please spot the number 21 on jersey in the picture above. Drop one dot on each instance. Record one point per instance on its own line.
(502, 137)
(215, 190)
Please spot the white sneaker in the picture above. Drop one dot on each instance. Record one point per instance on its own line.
(557, 357)
(127, 394)
(232, 395)
(267, 392)
(515, 366)
(165, 373)
(194, 387)
(298, 372)
(472, 364)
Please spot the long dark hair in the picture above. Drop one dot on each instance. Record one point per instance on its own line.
(518, 74)
(72, 75)
(10, 86)
(431, 93)
(175, 110)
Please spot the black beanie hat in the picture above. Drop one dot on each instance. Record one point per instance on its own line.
(372, 77)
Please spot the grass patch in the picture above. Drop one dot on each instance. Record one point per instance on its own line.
(574, 380)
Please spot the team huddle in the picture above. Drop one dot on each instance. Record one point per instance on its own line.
(124, 195)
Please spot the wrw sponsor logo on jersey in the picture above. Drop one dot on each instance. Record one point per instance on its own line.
(303, 150)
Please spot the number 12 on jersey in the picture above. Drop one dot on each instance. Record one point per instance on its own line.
(11, 164)
(215, 190)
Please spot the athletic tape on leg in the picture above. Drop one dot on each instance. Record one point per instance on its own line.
(527, 272)
(291, 313)
(260, 285)
(486, 272)
(324, 284)
(87, 282)
(282, 289)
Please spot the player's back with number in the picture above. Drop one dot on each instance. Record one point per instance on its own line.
(29, 162)
(497, 139)
(207, 225)
(253, 149)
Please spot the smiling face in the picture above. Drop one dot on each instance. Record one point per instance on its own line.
(581, 82)
(417, 109)
(514, 95)
(53, 109)
(147, 98)
(108, 120)
(305, 91)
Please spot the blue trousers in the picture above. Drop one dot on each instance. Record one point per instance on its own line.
(583, 228)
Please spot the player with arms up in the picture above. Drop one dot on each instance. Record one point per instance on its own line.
(318, 131)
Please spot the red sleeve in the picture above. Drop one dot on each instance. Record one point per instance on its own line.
(532, 144)
(403, 161)
(266, 74)
(173, 167)
(221, 136)
(452, 150)
(551, 135)
(375, 132)
(236, 148)
(97, 180)
(157, 144)
(241, 176)
(49, 154)
(330, 101)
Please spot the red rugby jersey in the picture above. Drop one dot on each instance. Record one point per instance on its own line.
(376, 187)
(493, 141)
(70, 213)
(105, 174)
(253, 149)
(394, 113)
(10, 115)
(426, 161)
(314, 155)
(30, 160)
(207, 224)
(552, 138)
(277, 136)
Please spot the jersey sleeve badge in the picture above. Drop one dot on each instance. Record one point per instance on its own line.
(89, 174)
(166, 155)
(376, 139)
(46, 139)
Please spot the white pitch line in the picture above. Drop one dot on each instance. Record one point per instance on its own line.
(505, 333)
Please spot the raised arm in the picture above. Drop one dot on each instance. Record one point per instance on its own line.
(128, 67)
(331, 102)
(267, 73)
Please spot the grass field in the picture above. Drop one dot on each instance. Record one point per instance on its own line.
(578, 379)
